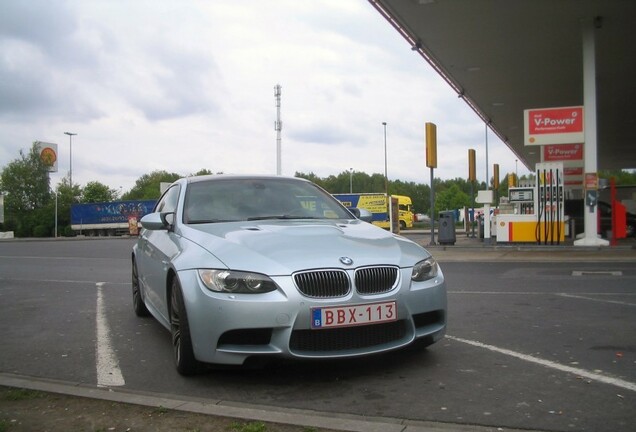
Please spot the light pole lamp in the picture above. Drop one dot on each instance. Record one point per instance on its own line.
(70, 167)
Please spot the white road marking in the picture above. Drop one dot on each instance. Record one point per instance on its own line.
(60, 258)
(597, 273)
(596, 300)
(566, 295)
(550, 364)
(108, 372)
(61, 281)
(539, 293)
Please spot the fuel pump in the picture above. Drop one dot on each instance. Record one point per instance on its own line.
(549, 204)
(535, 211)
(522, 200)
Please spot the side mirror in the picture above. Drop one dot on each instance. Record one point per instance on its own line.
(157, 221)
(361, 213)
(168, 219)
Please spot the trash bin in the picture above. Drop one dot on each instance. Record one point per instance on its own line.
(446, 233)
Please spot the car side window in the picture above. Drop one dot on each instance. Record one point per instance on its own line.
(168, 202)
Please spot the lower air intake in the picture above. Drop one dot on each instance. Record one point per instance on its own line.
(348, 338)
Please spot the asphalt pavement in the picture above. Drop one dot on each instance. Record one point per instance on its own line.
(465, 248)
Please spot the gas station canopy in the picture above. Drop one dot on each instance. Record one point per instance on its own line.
(504, 56)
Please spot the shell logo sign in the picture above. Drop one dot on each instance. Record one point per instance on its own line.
(48, 154)
(553, 126)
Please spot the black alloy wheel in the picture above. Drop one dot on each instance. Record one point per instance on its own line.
(181, 341)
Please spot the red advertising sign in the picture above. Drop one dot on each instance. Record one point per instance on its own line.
(556, 120)
(554, 125)
(573, 171)
(562, 152)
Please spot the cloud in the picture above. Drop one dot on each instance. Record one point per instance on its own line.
(185, 85)
(39, 54)
(178, 84)
(32, 22)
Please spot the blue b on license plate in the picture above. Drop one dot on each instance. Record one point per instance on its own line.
(345, 316)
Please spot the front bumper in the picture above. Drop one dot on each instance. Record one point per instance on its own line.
(229, 328)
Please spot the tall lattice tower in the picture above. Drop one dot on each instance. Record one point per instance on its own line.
(278, 126)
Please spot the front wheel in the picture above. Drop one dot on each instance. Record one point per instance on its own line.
(179, 327)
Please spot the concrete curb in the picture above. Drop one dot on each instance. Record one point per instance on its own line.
(305, 418)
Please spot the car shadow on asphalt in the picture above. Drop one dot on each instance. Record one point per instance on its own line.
(285, 372)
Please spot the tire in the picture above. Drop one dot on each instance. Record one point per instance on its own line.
(402, 225)
(184, 359)
(138, 302)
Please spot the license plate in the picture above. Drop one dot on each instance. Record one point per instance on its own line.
(346, 316)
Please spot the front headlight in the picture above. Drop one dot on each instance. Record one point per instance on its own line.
(231, 281)
(424, 270)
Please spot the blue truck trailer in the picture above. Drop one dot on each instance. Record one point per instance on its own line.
(109, 218)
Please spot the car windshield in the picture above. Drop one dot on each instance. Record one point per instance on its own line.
(241, 199)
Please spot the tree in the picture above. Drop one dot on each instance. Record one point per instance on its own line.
(311, 177)
(450, 199)
(65, 198)
(25, 182)
(622, 178)
(98, 192)
(203, 171)
(148, 186)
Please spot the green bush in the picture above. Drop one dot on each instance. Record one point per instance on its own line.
(41, 231)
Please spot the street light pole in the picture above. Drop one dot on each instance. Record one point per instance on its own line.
(350, 180)
(55, 213)
(386, 182)
(70, 169)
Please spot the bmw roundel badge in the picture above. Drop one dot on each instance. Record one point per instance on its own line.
(346, 260)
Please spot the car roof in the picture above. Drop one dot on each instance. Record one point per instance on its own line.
(215, 177)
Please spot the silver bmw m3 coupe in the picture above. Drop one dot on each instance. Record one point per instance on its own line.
(244, 266)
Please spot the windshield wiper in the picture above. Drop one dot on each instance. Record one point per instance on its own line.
(280, 217)
(205, 221)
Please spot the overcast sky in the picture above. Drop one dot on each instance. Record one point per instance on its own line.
(185, 85)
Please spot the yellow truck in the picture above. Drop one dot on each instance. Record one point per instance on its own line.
(376, 203)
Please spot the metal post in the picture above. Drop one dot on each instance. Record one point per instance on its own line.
(386, 182)
(487, 174)
(472, 219)
(432, 243)
(56, 214)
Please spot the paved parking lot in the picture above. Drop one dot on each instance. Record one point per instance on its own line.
(534, 342)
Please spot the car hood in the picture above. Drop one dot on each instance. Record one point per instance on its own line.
(283, 247)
